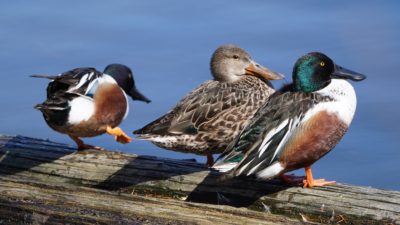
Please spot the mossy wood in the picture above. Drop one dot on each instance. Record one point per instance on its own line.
(47, 182)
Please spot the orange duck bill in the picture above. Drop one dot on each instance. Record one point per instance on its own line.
(255, 69)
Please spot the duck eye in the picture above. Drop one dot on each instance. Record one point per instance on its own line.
(235, 56)
(322, 63)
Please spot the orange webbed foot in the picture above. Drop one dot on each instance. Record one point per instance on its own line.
(310, 182)
(120, 136)
(317, 183)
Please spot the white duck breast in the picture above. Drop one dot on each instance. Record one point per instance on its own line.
(82, 108)
(344, 101)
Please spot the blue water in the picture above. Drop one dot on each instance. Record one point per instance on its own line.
(168, 45)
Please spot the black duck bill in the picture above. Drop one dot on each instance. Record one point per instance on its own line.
(136, 95)
(343, 73)
(255, 69)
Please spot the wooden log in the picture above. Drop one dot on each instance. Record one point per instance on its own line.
(56, 183)
(41, 203)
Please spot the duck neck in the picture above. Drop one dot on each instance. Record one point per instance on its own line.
(306, 82)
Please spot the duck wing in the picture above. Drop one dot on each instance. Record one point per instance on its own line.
(80, 81)
(262, 141)
(200, 106)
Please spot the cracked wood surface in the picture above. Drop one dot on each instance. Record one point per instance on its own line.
(43, 181)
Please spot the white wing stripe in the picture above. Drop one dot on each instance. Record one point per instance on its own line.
(292, 125)
(281, 143)
(225, 167)
(264, 147)
(92, 87)
(244, 167)
(270, 134)
(254, 168)
(90, 75)
(82, 81)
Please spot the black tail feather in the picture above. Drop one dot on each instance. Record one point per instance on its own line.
(38, 107)
(44, 76)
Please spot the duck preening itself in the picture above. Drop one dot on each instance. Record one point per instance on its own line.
(84, 102)
(298, 126)
(210, 116)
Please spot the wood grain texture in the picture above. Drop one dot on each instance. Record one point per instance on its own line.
(43, 180)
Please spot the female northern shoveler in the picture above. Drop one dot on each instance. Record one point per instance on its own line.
(84, 102)
(297, 127)
(210, 116)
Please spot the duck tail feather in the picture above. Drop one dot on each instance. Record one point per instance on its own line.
(44, 76)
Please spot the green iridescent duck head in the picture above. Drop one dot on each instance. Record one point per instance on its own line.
(315, 71)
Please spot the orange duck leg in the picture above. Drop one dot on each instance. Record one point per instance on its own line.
(82, 146)
(310, 182)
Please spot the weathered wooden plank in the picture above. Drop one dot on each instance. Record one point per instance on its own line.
(36, 202)
(42, 161)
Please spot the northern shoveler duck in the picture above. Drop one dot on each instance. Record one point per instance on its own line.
(297, 126)
(210, 116)
(84, 102)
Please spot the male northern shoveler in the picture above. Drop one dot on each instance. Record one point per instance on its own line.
(84, 102)
(298, 126)
(210, 116)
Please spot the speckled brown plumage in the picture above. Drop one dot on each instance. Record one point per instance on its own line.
(209, 117)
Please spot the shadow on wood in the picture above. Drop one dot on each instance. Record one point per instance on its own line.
(46, 166)
(53, 150)
(211, 189)
(135, 171)
(214, 190)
